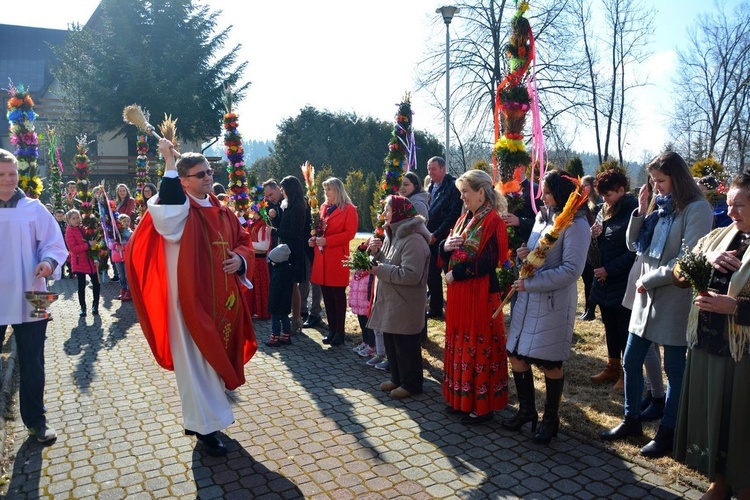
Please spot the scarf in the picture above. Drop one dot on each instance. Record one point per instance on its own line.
(472, 233)
(664, 213)
(739, 335)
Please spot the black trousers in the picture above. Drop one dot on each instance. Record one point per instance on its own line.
(404, 354)
(435, 282)
(616, 320)
(334, 298)
(82, 289)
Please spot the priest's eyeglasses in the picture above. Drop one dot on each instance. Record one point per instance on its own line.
(202, 173)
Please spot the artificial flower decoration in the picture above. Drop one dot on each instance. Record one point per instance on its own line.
(55, 168)
(23, 137)
(238, 187)
(84, 198)
(537, 257)
(402, 151)
(141, 173)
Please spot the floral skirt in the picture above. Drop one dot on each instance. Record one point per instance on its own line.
(713, 434)
(475, 361)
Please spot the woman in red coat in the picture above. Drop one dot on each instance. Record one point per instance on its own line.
(81, 263)
(338, 226)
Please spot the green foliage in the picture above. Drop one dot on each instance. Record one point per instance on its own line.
(321, 174)
(344, 141)
(708, 166)
(610, 164)
(575, 166)
(355, 188)
(165, 56)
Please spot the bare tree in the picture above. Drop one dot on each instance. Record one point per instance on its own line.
(479, 62)
(712, 82)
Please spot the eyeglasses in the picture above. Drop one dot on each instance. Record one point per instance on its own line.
(202, 173)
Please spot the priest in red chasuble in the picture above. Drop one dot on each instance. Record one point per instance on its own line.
(187, 263)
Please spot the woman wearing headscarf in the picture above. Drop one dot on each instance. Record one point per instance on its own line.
(475, 362)
(678, 215)
(712, 433)
(401, 294)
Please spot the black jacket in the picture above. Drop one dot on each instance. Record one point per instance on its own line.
(445, 208)
(280, 289)
(615, 256)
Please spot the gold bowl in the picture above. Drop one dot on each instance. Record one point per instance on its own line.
(41, 301)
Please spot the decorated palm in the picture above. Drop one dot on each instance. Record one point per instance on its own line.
(23, 137)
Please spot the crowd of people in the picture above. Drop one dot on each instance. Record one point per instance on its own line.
(440, 234)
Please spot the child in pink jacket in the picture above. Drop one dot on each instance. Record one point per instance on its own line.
(81, 263)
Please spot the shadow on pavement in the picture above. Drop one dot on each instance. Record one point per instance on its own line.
(85, 341)
(27, 470)
(213, 474)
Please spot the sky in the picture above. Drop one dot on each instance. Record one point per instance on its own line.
(361, 57)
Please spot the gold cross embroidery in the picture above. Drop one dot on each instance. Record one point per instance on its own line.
(222, 245)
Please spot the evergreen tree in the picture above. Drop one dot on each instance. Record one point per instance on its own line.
(164, 55)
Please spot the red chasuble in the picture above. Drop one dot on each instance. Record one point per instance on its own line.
(213, 303)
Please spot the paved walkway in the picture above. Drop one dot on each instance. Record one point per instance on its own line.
(310, 423)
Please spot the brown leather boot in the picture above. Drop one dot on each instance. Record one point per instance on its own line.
(620, 384)
(611, 372)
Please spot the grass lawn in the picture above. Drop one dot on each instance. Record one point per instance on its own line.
(587, 408)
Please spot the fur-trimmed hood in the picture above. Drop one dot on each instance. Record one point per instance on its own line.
(412, 225)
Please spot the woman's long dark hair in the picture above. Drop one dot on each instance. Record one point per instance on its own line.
(560, 184)
(293, 189)
(414, 180)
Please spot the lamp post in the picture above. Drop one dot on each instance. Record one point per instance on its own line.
(447, 12)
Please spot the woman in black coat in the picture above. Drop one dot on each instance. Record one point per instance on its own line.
(292, 232)
(611, 277)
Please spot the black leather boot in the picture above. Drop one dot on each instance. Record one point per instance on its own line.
(337, 339)
(588, 313)
(526, 403)
(551, 419)
(327, 339)
(661, 445)
(630, 426)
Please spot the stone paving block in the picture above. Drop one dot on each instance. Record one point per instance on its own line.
(302, 430)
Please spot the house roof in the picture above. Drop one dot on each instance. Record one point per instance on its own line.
(27, 58)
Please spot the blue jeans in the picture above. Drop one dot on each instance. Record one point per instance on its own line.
(674, 366)
(280, 324)
(120, 268)
(30, 339)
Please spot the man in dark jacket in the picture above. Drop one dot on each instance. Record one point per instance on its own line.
(445, 209)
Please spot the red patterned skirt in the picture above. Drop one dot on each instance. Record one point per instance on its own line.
(258, 296)
(475, 361)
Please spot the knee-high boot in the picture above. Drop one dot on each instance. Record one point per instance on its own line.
(526, 403)
(551, 419)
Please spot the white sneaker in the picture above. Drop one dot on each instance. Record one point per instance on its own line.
(375, 360)
(43, 433)
(359, 347)
(367, 351)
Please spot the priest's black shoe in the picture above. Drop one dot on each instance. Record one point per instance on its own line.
(211, 442)
(312, 321)
(629, 427)
(661, 445)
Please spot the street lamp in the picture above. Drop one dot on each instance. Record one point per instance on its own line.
(447, 12)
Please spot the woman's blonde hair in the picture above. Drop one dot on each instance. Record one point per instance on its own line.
(341, 199)
(480, 180)
(71, 212)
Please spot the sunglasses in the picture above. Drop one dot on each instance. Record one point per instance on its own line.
(202, 173)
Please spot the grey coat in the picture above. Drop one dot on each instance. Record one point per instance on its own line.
(542, 321)
(401, 285)
(660, 314)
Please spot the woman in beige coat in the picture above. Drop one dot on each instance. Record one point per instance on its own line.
(400, 294)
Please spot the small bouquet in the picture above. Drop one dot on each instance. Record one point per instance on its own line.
(359, 259)
(693, 268)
